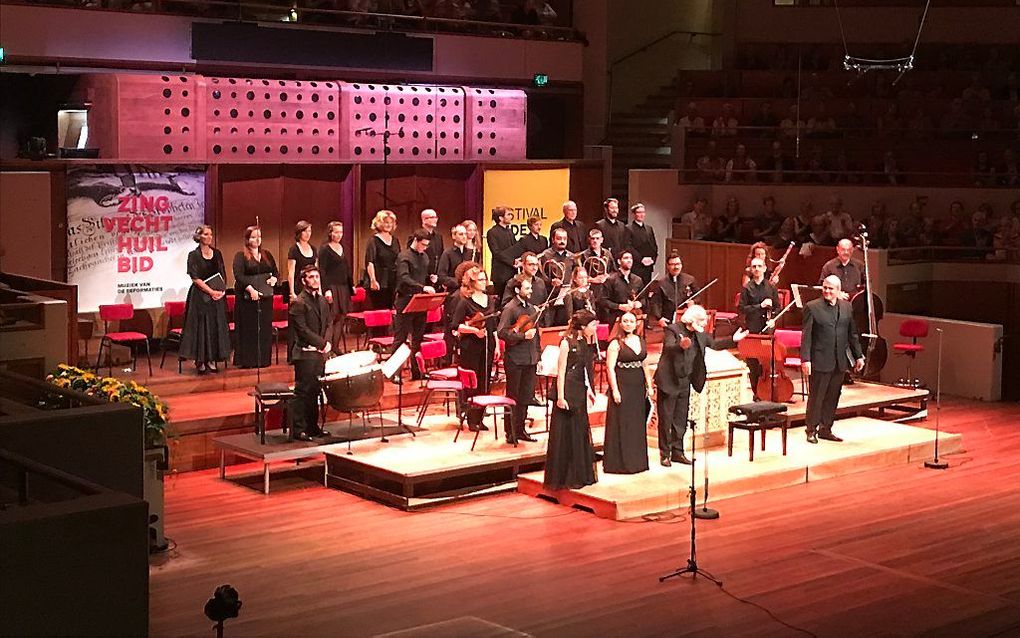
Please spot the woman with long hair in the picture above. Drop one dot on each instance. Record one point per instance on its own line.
(255, 275)
(630, 393)
(381, 260)
(570, 457)
(205, 338)
(301, 254)
(581, 295)
(474, 240)
(759, 250)
(337, 281)
(477, 338)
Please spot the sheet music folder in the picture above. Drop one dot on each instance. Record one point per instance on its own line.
(423, 302)
(215, 281)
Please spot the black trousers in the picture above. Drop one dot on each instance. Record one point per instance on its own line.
(409, 325)
(673, 409)
(520, 386)
(824, 389)
(304, 407)
(754, 371)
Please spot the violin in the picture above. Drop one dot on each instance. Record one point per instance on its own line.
(478, 319)
(527, 321)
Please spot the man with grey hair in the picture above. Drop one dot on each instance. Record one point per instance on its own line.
(849, 271)
(429, 221)
(828, 347)
(681, 367)
(577, 231)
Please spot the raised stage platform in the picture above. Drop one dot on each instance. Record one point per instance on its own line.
(868, 444)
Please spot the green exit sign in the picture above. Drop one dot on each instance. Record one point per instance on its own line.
(541, 79)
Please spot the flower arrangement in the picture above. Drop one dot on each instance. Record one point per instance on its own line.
(155, 412)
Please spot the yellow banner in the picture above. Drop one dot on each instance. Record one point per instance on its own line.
(529, 193)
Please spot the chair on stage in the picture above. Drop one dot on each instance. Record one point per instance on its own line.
(131, 339)
(428, 358)
(602, 336)
(357, 301)
(450, 388)
(174, 311)
(434, 318)
(791, 340)
(280, 306)
(376, 319)
(913, 329)
(493, 404)
(727, 317)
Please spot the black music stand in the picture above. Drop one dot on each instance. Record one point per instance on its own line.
(391, 369)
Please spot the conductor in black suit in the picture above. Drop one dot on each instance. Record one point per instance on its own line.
(828, 340)
(681, 367)
(499, 239)
(309, 320)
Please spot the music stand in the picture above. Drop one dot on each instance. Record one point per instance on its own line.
(391, 369)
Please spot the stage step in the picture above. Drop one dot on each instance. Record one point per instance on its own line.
(868, 444)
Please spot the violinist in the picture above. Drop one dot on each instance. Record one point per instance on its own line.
(531, 271)
(461, 252)
(474, 319)
(673, 289)
(520, 359)
(621, 289)
(759, 301)
(582, 295)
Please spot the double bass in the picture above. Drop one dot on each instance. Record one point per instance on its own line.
(868, 309)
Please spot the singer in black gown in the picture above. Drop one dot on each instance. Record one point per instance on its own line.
(205, 338)
(253, 320)
(626, 445)
(570, 457)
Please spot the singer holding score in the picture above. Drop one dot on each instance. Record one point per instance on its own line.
(205, 338)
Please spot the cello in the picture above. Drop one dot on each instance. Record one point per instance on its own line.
(876, 351)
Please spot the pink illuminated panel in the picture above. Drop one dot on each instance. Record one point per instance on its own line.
(271, 120)
(497, 124)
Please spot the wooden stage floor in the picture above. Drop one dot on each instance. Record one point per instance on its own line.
(867, 444)
(897, 551)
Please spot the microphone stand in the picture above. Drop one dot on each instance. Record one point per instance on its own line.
(692, 560)
(936, 463)
(385, 133)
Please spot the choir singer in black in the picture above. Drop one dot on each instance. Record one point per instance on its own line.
(310, 321)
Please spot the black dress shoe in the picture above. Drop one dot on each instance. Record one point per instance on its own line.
(524, 436)
(665, 462)
(212, 368)
(680, 458)
(302, 436)
(829, 436)
(511, 440)
(321, 434)
(812, 438)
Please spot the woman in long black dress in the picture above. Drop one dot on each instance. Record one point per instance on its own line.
(477, 342)
(570, 457)
(337, 282)
(381, 260)
(630, 391)
(254, 270)
(205, 338)
(301, 254)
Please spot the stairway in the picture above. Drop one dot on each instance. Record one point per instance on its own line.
(637, 137)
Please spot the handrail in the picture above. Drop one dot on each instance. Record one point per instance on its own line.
(25, 466)
(643, 48)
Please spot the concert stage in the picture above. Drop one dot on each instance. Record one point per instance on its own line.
(867, 444)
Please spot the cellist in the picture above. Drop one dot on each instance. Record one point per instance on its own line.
(759, 300)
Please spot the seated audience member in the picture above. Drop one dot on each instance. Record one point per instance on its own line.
(819, 234)
(726, 227)
(802, 220)
(843, 170)
(1006, 240)
(765, 120)
(1009, 170)
(978, 235)
(952, 230)
(983, 172)
(815, 90)
(699, 219)
(741, 168)
(768, 222)
(711, 165)
(787, 233)
(821, 123)
(955, 122)
(841, 223)
(691, 122)
(777, 167)
(889, 171)
(851, 123)
(815, 169)
(911, 224)
(792, 125)
(725, 125)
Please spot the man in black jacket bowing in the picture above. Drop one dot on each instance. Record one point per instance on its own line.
(309, 320)
(828, 341)
(681, 367)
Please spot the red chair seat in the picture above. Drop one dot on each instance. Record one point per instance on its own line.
(280, 325)
(434, 336)
(176, 331)
(725, 316)
(125, 336)
(360, 316)
(491, 400)
(444, 374)
(383, 342)
(908, 347)
(792, 362)
(441, 385)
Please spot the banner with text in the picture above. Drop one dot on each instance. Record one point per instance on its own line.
(529, 193)
(129, 232)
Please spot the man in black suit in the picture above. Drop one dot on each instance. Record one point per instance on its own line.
(499, 239)
(309, 320)
(429, 221)
(642, 243)
(758, 303)
(521, 356)
(682, 366)
(577, 231)
(828, 340)
(613, 230)
(412, 278)
(533, 242)
(620, 291)
(673, 289)
(531, 270)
